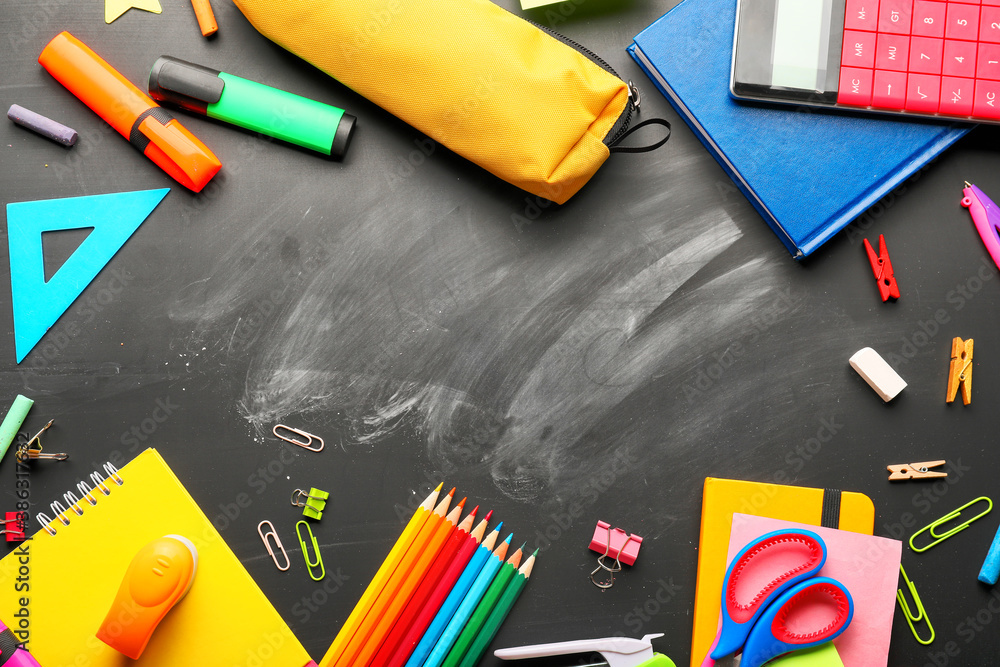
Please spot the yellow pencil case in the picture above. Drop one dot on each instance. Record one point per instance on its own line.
(526, 104)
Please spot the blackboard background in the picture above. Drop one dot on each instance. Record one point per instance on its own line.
(594, 364)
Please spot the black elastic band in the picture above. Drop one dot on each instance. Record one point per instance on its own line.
(616, 148)
(831, 508)
(137, 138)
(8, 644)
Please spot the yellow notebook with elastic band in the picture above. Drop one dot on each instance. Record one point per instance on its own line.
(57, 587)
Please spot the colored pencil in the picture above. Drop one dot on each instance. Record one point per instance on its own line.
(464, 611)
(397, 600)
(454, 557)
(499, 614)
(378, 582)
(483, 609)
(442, 605)
(348, 657)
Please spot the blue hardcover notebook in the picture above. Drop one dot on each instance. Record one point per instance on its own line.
(809, 173)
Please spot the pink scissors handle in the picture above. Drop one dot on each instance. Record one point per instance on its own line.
(986, 215)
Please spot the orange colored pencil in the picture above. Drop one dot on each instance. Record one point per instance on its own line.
(381, 577)
(348, 657)
(443, 574)
(420, 568)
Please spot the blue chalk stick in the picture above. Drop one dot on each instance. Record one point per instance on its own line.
(991, 566)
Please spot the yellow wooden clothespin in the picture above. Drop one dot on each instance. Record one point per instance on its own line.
(960, 370)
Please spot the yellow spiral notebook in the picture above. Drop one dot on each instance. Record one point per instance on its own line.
(56, 589)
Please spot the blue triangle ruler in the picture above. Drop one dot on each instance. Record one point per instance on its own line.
(39, 303)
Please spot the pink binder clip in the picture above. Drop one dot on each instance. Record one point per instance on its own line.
(14, 524)
(613, 543)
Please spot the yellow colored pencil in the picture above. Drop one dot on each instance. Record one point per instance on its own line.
(397, 599)
(348, 656)
(385, 571)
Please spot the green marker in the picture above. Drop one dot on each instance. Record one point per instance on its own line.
(254, 106)
(12, 422)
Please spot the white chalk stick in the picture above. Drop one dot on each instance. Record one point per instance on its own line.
(877, 373)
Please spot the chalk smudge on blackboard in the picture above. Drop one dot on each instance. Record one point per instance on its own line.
(507, 352)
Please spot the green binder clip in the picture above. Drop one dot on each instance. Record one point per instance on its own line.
(312, 503)
(311, 566)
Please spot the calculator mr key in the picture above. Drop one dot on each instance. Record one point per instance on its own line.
(931, 58)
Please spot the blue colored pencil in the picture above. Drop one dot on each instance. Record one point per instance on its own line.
(454, 599)
(472, 598)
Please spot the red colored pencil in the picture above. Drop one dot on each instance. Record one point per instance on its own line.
(460, 547)
(434, 602)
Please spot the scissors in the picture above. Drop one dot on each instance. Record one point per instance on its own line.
(773, 602)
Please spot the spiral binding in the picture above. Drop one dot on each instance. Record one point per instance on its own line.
(86, 493)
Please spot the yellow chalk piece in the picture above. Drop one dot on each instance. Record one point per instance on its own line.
(115, 8)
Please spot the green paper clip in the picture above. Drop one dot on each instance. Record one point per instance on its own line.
(312, 503)
(310, 566)
(950, 516)
(921, 613)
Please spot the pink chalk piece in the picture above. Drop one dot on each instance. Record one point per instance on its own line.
(619, 538)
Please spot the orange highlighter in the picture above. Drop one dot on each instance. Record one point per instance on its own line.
(146, 125)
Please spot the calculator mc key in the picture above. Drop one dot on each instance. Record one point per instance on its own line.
(855, 87)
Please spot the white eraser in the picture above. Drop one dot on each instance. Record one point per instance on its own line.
(877, 373)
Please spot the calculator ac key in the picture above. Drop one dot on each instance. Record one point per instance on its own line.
(956, 96)
(963, 21)
(986, 102)
(922, 93)
(928, 18)
(959, 58)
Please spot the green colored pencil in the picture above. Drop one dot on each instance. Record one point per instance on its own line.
(483, 609)
(496, 618)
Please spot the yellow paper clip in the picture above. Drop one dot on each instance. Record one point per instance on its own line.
(310, 565)
(921, 613)
(950, 516)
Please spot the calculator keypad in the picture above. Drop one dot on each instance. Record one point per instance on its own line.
(922, 56)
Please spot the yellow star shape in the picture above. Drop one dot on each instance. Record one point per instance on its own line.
(115, 8)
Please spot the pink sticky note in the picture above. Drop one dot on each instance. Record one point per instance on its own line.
(867, 566)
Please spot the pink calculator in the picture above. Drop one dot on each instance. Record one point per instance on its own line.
(933, 58)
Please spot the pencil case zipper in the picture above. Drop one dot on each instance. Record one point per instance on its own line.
(625, 118)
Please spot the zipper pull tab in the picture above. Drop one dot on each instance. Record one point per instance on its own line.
(633, 94)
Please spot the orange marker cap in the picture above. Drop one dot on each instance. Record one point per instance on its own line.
(146, 125)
